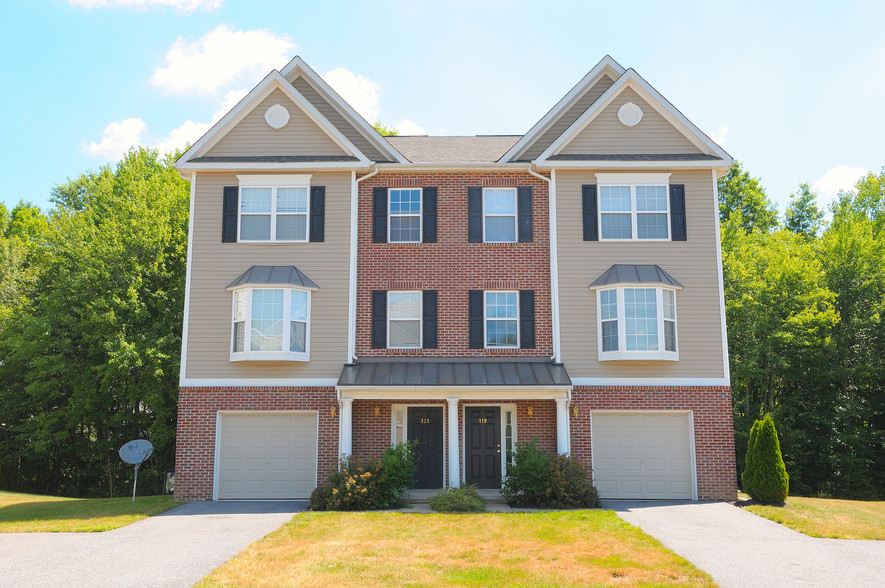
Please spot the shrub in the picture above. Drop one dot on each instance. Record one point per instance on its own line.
(527, 476)
(463, 499)
(765, 477)
(569, 484)
(536, 478)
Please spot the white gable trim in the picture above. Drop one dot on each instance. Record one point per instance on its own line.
(606, 66)
(273, 81)
(298, 66)
(631, 79)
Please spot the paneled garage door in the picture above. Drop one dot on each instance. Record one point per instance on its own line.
(642, 454)
(267, 455)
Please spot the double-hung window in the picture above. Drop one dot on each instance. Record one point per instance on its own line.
(404, 320)
(405, 215)
(501, 319)
(499, 215)
(637, 323)
(634, 207)
(274, 208)
(271, 324)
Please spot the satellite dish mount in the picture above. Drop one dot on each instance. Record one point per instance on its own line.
(136, 453)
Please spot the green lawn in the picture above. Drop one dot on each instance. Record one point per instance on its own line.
(563, 548)
(825, 517)
(32, 513)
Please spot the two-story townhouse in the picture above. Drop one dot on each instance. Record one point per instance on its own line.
(346, 291)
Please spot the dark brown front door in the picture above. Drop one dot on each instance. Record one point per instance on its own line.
(426, 429)
(482, 459)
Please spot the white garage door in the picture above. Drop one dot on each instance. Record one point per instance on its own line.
(642, 455)
(267, 455)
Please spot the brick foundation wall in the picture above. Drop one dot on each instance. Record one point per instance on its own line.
(713, 426)
(197, 409)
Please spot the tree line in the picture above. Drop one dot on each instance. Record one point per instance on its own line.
(91, 306)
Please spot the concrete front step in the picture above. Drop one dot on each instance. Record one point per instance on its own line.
(423, 496)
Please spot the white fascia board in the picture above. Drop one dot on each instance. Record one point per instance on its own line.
(668, 164)
(635, 82)
(606, 65)
(473, 166)
(269, 166)
(460, 392)
(651, 382)
(299, 66)
(255, 382)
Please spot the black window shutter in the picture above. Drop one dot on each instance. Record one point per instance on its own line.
(677, 212)
(474, 216)
(591, 224)
(429, 214)
(527, 319)
(475, 319)
(430, 320)
(229, 214)
(379, 215)
(318, 213)
(524, 216)
(379, 319)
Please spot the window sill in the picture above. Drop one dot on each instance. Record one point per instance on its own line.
(639, 356)
(269, 356)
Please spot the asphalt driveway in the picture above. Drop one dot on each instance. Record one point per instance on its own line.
(176, 548)
(740, 549)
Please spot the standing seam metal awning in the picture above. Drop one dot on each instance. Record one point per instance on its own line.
(635, 274)
(446, 373)
(283, 275)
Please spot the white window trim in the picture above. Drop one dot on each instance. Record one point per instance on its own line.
(247, 354)
(515, 214)
(420, 215)
(420, 294)
(631, 181)
(274, 182)
(486, 319)
(622, 353)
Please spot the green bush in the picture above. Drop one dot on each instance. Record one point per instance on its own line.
(569, 484)
(536, 478)
(527, 476)
(765, 477)
(463, 499)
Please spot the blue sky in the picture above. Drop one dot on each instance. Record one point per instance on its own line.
(795, 90)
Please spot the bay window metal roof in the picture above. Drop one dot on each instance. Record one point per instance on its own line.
(635, 274)
(276, 275)
(452, 373)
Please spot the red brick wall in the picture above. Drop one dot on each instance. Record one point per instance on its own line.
(197, 409)
(713, 426)
(452, 266)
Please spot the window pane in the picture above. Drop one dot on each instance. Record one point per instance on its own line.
(501, 228)
(292, 227)
(405, 202)
(651, 226)
(267, 320)
(405, 333)
(298, 310)
(292, 200)
(670, 305)
(501, 333)
(501, 305)
(297, 336)
(255, 228)
(255, 199)
(641, 322)
(499, 201)
(614, 199)
(669, 336)
(405, 229)
(616, 226)
(404, 305)
(651, 198)
(608, 302)
(239, 336)
(610, 335)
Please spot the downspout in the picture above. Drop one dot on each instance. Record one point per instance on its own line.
(554, 265)
(351, 291)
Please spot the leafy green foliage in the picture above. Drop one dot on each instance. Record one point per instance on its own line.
(384, 130)
(765, 478)
(742, 198)
(361, 484)
(463, 499)
(537, 478)
(803, 216)
(527, 476)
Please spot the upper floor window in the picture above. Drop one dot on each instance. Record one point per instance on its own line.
(499, 215)
(634, 206)
(637, 323)
(271, 324)
(404, 320)
(501, 319)
(274, 208)
(405, 215)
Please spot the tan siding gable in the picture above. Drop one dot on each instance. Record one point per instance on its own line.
(567, 118)
(253, 136)
(605, 133)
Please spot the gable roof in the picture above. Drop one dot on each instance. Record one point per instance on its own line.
(479, 149)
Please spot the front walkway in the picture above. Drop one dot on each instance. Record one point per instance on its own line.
(174, 549)
(740, 549)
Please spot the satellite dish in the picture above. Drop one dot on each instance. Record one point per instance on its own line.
(136, 453)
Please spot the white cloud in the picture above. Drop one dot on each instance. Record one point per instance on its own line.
(117, 138)
(191, 131)
(407, 127)
(181, 6)
(720, 136)
(221, 57)
(359, 91)
(838, 178)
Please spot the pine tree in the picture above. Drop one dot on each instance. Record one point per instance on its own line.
(765, 477)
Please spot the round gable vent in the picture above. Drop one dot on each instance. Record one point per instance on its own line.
(277, 116)
(629, 115)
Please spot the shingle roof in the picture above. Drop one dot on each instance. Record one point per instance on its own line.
(271, 158)
(635, 274)
(479, 149)
(634, 157)
(286, 275)
(385, 373)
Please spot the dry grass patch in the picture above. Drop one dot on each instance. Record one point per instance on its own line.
(825, 517)
(402, 549)
(33, 513)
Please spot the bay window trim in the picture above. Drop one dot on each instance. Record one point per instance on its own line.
(622, 354)
(247, 354)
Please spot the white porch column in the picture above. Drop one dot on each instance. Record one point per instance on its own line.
(454, 461)
(346, 445)
(563, 441)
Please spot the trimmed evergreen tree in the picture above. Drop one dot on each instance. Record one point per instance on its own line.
(765, 477)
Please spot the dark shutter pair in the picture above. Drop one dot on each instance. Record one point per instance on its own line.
(380, 207)
(523, 215)
(429, 322)
(476, 307)
(316, 222)
(591, 212)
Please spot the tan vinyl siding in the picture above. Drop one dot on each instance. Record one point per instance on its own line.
(566, 120)
(606, 134)
(332, 115)
(693, 263)
(215, 264)
(253, 136)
